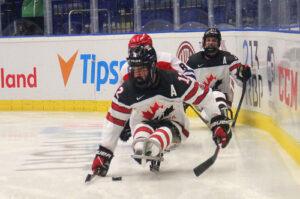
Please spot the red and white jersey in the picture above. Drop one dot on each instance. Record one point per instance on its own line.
(163, 102)
(165, 60)
(217, 72)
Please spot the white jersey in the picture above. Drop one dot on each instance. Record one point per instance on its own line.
(217, 72)
(165, 60)
(163, 102)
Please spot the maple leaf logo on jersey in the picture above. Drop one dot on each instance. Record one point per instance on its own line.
(157, 112)
(209, 79)
(150, 114)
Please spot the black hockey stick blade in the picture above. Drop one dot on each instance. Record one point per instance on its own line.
(89, 177)
(205, 165)
(240, 103)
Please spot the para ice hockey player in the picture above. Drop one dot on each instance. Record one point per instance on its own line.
(217, 68)
(165, 60)
(152, 99)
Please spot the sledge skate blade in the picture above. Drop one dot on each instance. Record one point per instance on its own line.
(145, 157)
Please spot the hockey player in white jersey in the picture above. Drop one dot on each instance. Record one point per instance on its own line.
(165, 60)
(152, 99)
(218, 69)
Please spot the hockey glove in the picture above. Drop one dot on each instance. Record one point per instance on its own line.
(102, 161)
(126, 132)
(244, 72)
(221, 130)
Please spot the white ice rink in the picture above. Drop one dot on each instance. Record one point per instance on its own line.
(48, 155)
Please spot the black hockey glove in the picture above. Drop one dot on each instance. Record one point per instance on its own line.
(244, 72)
(102, 161)
(221, 130)
(126, 132)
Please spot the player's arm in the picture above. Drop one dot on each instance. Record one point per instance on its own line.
(202, 97)
(239, 72)
(181, 67)
(115, 121)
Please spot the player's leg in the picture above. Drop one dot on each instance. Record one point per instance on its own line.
(141, 132)
(167, 134)
(223, 104)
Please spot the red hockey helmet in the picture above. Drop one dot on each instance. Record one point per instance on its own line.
(139, 39)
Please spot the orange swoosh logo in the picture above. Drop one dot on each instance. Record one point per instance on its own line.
(66, 67)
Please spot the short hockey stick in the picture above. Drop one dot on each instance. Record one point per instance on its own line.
(89, 177)
(240, 103)
(205, 165)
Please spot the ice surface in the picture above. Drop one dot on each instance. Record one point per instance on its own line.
(48, 155)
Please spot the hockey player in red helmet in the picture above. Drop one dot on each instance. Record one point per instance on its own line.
(219, 69)
(152, 99)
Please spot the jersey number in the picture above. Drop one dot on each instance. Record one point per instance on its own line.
(119, 91)
(184, 78)
(183, 66)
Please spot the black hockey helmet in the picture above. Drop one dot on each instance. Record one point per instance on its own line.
(212, 32)
(143, 55)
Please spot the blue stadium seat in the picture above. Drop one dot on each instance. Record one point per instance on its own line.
(149, 15)
(225, 26)
(193, 14)
(158, 25)
(192, 25)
